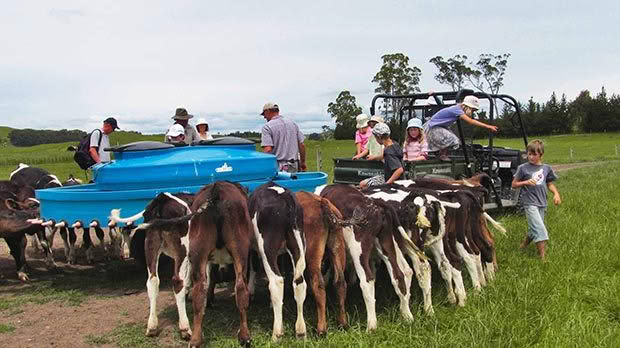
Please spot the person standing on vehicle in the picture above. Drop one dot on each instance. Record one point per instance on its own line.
(99, 140)
(438, 136)
(181, 116)
(282, 137)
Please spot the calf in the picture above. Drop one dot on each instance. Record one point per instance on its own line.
(422, 215)
(383, 232)
(16, 219)
(171, 240)
(38, 178)
(278, 223)
(323, 230)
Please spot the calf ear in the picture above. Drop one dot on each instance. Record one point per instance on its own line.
(11, 204)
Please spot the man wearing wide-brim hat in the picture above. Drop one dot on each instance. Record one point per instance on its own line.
(181, 116)
(282, 137)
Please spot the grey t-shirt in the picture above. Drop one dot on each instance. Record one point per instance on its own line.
(535, 195)
(284, 135)
(105, 143)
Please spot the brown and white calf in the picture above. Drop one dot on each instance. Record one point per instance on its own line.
(422, 215)
(323, 231)
(171, 240)
(278, 222)
(382, 232)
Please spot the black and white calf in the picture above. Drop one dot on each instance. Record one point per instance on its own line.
(278, 223)
(382, 232)
(422, 215)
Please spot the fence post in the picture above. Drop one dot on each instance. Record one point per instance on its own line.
(571, 153)
(318, 159)
(616, 149)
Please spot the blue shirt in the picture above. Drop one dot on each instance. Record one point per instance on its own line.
(446, 116)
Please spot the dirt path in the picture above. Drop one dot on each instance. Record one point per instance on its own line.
(568, 166)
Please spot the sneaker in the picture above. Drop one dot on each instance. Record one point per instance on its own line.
(444, 158)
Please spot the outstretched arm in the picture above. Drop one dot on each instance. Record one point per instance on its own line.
(302, 157)
(478, 123)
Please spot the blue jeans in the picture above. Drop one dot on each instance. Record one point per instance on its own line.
(536, 230)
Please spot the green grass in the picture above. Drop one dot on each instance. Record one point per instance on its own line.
(6, 328)
(585, 147)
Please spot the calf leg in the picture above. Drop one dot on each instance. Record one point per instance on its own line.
(314, 256)
(64, 233)
(446, 272)
(360, 254)
(125, 241)
(242, 295)
(200, 280)
(338, 260)
(49, 233)
(17, 246)
(72, 250)
(152, 283)
(297, 251)
(399, 271)
(471, 266)
(87, 245)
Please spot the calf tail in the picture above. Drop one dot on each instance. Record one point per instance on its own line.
(115, 216)
(495, 224)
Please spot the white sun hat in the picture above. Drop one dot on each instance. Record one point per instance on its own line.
(362, 120)
(175, 130)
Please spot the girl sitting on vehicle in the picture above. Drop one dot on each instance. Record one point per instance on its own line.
(363, 133)
(374, 150)
(415, 147)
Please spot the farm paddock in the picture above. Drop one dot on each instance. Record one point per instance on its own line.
(569, 301)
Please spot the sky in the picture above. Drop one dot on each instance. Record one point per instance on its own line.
(71, 64)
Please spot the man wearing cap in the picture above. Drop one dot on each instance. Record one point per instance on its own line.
(439, 137)
(99, 140)
(282, 137)
(182, 117)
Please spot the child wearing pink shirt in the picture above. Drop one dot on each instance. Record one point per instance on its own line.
(363, 133)
(415, 147)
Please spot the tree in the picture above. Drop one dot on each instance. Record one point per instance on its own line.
(344, 110)
(326, 132)
(489, 72)
(452, 72)
(396, 77)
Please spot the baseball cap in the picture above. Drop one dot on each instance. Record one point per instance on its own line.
(269, 106)
(472, 102)
(112, 122)
(175, 130)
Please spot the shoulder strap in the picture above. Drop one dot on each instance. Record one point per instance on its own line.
(99, 142)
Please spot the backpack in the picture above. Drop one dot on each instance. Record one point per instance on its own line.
(82, 155)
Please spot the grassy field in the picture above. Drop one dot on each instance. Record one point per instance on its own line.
(569, 301)
(56, 159)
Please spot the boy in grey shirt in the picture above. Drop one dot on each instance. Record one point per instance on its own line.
(535, 178)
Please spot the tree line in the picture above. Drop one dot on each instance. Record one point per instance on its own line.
(586, 113)
(31, 137)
